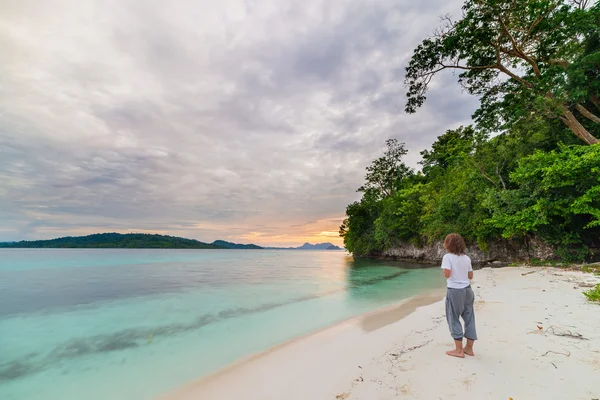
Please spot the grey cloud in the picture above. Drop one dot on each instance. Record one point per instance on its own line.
(202, 120)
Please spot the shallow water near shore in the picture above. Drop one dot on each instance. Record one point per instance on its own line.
(133, 324)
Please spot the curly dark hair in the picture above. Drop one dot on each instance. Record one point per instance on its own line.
(455, 244)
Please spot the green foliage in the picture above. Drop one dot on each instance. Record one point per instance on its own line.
(522, 59)
(400, 218)
(535, 66)
(358, 229)
(557, 198)
(534, 262)
(583, 75)
(453, 203)
(449, 149)
(594, 269)
(593, 294)
(386, 173)
(504, 187)
(384, 178)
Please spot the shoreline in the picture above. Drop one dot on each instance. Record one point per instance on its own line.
(369, 321)
(392, 352)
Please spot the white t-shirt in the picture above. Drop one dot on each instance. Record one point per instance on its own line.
(459, 267)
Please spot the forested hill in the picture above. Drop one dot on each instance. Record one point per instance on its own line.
(115, 240)
(228, 245)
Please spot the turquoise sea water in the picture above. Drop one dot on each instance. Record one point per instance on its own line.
(133, 324)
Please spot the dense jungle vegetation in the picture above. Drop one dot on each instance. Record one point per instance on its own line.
(529, 166)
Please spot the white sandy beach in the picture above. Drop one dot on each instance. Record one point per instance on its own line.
(539, 339)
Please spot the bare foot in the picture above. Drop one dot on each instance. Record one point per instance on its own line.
(468, 351)
(456, 353)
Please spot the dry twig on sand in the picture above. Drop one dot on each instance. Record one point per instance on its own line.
(568, 353)
(565, 333)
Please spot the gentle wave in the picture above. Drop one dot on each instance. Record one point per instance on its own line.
(131, 338)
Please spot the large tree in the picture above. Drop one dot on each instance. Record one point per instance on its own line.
(385, 174)
(522, 57)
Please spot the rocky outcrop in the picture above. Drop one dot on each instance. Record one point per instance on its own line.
(499, 252)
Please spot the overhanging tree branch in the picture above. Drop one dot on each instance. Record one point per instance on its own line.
(535, 23)
(586, 113)
(500, 176)
(515, 76)
(579, 130)
(454, 66)
(502, 68)
(520, 40)
(481, 170)
(518, 51)
(582, 4)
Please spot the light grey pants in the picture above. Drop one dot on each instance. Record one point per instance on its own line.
(459, 303)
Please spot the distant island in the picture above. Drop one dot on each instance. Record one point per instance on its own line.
(319, 246)
(308, 246)
(115, 240)
(146, 241)
(222, 244)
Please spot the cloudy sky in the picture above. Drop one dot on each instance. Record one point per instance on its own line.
(244, 120)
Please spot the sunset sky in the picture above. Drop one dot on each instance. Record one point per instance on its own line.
(245, 120)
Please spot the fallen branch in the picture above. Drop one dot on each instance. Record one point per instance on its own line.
(553, 364)
(568, 354)
(566, 333)
(527, 273)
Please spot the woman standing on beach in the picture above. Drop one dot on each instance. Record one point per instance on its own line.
(459, 297)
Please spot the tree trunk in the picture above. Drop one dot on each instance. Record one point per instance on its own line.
(575, 126)
(586, 113)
